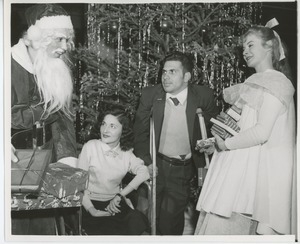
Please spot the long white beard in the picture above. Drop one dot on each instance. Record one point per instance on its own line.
(54, 82)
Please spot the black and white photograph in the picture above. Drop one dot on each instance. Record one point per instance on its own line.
(162, 121)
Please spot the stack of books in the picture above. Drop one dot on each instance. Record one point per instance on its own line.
(225, 124)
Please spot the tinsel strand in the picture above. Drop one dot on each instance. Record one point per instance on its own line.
(183, 19)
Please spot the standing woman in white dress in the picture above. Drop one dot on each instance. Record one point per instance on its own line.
(250, 185)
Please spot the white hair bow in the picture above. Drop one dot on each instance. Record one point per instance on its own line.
(270, 24)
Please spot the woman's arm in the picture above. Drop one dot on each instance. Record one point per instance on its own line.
(260, 133)
(83, 161)
(86, 201)
(140, 171)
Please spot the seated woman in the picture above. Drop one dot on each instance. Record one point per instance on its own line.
(108, 160)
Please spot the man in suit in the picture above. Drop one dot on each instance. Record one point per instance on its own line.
(173, 105)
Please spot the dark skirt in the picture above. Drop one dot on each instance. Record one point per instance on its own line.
(128, 222)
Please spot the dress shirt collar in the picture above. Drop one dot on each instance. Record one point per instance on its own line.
(181, 96)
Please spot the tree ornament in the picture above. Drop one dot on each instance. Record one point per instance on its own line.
(165, 25)
(216, 48)
(114, 27)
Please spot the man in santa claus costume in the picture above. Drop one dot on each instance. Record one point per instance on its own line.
(41, 93)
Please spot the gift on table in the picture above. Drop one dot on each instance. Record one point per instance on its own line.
(62, 180)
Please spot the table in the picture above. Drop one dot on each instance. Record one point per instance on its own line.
(21, 201)
(62, 191)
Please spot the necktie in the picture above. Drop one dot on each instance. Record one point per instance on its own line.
(175, 100)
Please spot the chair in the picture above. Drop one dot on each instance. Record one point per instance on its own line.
(141, 198)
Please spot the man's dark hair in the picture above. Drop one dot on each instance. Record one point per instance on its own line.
(185, 59)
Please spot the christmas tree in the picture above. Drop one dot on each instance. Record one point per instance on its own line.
(125, 43)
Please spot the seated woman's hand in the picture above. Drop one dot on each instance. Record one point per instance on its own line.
(98, 213)
(150, 169)
(114, 205)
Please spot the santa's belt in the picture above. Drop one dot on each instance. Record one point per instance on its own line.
(174, 161)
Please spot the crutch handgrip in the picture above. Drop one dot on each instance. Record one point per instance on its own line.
(203, 132)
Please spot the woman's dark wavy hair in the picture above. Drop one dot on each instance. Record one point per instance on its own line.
(126, 140)
(267, 34)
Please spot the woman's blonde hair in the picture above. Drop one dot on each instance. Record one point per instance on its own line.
(266, 34)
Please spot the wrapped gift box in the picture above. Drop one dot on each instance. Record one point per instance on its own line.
(62, 180)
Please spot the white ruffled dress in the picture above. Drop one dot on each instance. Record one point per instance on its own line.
(258, 182)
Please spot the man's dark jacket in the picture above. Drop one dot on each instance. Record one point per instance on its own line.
(152, 103)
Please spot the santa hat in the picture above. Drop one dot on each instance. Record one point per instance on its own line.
(48, 16)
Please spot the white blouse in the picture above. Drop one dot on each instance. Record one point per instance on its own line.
(107, 167)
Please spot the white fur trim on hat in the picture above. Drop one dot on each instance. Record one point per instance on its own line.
(55, 22)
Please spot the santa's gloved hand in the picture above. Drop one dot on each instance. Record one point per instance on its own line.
(14, 158)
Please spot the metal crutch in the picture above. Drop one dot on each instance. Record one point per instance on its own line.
(202, 171)
(153, 181)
